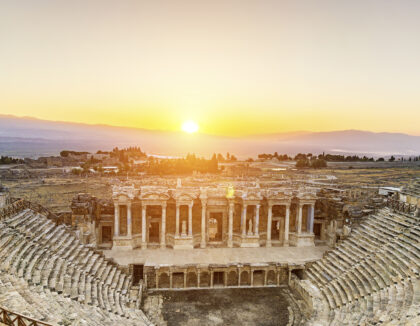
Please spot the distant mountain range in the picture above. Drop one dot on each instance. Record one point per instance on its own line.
(30, 137)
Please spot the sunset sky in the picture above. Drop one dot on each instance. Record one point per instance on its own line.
(234, 67)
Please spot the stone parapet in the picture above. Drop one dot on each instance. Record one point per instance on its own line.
(301, 240)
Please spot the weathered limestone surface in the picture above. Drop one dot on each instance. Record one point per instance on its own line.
(47, 274)
(371, 277)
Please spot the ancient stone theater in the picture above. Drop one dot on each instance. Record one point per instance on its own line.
(97, 265)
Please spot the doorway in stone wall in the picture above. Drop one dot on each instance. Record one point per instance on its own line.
(154, 232)
(106, 234)
(215, 225)
(218, 278)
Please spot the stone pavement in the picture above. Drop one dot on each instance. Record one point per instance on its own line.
(222, 256)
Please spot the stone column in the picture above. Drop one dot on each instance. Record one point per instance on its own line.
(143, 227)
(198, 278)
(269, 221)
(265, 278)
(163, 228)
(190, 206)
(257, 219)
(177, 221)
(252, 277)
(311, 225)
(203, 225)
(157, 280)
(211, 278)
(286, 226)
(129, 223)
(299, 226)
(230, 234)
(243, 224)
(116, 220)
(185, 280)
(170, 279)
(239, 277)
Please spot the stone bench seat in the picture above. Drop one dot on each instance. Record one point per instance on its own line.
(53, 308)
(16, 219)
(372, 277)
(49, 256)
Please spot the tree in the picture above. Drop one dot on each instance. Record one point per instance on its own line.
(318, 163)
(392, 159)
(302, 163)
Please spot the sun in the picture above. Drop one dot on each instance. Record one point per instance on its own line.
(190, 126)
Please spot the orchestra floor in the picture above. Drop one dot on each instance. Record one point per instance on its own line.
(216, 256)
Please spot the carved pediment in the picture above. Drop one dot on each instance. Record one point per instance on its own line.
(154, 193)
(278, 194)
(306, 194)
(185, 194)
(154, 196)
(252, 194)
(123, 192)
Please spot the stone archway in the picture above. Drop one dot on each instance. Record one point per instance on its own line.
(204, 279)
(232, 278)
(245, 278)
(164, 281)
(178, 280)
(191, 280)
(271, 277)
(258, 278)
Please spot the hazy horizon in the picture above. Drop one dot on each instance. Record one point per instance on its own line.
(262, 134)
(35, 137)
(234, 67)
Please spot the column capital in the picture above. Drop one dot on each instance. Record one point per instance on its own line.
(164, 204)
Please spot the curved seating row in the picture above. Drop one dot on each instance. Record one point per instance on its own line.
(51, 259)
(372, 276)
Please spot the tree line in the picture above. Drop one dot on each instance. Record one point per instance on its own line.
(333, 158)
(10, 160)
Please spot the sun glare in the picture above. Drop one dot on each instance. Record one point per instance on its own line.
(189, 126)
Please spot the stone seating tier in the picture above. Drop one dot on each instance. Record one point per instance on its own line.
(46, 265)
(372, 276)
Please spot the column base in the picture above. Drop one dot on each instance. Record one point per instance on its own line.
(183, 243)
(268, 244)
(250, 241)
(286, 243)
(122, 242)
(302, 239)
(143, 245)
(162, 246)
(202, 245)
(230, 244)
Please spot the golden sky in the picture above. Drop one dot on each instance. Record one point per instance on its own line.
(234, 67)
